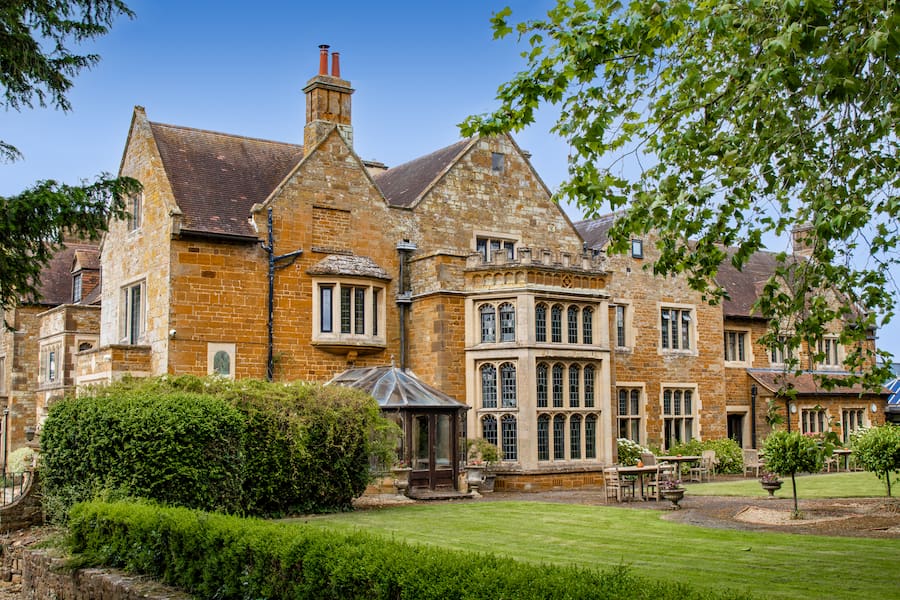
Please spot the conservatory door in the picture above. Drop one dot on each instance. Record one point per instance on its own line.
(432, 450)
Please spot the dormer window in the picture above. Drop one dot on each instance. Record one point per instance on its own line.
(76, 288)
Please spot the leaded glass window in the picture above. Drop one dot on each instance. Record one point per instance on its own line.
(510, 436)
(488, 386)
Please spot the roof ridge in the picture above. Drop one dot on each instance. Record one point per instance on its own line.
(224, 134)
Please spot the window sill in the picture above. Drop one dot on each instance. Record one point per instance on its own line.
(341, 346)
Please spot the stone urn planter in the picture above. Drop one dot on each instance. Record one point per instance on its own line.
(401, 479)
(674, 496)
(771, 487)
(474, 477)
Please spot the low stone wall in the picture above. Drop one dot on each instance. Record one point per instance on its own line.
(44, 577)
(546, 482)
(26, 510)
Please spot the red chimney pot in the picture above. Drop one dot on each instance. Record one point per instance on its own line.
(336, 64)
(323, 59)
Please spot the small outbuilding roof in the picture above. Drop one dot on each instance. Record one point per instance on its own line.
(807, 384)
(893, 403)
(396, 388)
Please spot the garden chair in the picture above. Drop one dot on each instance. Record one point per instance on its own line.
(616, 486)
(653, 481)
(706, 467)
(752, 462)
(666, 469)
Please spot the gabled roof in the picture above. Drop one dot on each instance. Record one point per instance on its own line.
(404, 184)
(743, 287)
(88, 260)
(216, 178)
(56, 278)
(396, 388)
(595, 232)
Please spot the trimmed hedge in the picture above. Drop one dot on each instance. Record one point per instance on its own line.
(251, 447)
(219, 556)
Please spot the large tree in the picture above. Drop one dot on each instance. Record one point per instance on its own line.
(37, 67)
(720, 124)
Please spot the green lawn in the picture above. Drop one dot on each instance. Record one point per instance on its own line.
(859, 484)
(769, 565)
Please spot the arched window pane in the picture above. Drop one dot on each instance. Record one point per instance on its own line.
(575, 437)
(489, 428)
(488, 323)
(590, 437)
(559, 437)
(541, 377)
(574, 388)
(589, 386)
(572, 319)
(557, 386)
(508, 385)
(510, 447)
(507, 322)
(587, 326)
(488, 386)
(222, 363)
(540, 323)
(556, 324)
(543, 437)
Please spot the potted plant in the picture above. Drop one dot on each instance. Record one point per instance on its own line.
(400, 470)
(671, 490)
(770, 482)
(482, 452)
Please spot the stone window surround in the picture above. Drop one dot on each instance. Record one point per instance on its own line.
(335, 335)
(747, 346)
(692, 329)
(553, 444)
(830, 346)
(627, 314)
(503, 392)
(213, 348)
(494, 322)
(508, 243)
(125, 308)
(556, 325)
(628, 387)
(694, 414)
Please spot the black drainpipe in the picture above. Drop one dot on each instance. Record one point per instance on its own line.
(404, 297)
(270, 250)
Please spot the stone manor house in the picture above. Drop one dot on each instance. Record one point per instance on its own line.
(452, 287)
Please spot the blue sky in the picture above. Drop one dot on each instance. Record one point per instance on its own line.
(418, 68)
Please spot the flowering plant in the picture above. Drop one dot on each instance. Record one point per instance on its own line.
(401, 464)
(667, 485)
(767, 477)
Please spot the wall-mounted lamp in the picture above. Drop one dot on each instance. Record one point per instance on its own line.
(29, 433)
(874, 407)
(793, 409)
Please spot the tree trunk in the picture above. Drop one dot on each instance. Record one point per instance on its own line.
(794, 486)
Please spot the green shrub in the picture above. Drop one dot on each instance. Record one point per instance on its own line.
(791, 452)
(249, 446)
(180, 448)
(219, 556)
(878, 450)
(729, 455)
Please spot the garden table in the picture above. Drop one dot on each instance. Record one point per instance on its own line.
(845, 453)
(639, 471)
(678, 459)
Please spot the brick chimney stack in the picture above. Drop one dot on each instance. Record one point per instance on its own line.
(327, 102)
(803, 239)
